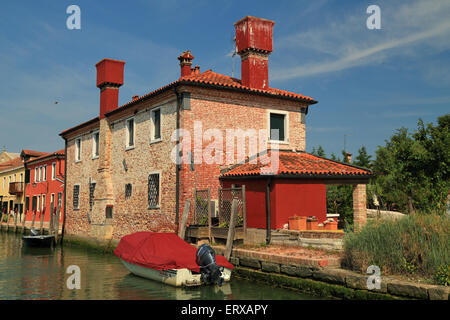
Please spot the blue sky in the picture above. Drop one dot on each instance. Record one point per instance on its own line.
(368, 82)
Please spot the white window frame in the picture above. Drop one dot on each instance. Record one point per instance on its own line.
(4, 182)
(44, 173)
(159, 189)
(38, 204)
(14, 178)
(95, 143)
(286, 126)
(21, 177)
(35, 174)
(78, 149)
(52, 200)
(152, 125)
(127, 133)
(53, 170)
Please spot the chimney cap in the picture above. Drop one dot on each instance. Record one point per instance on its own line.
(254, 19)
(135, 97)
(186, 57)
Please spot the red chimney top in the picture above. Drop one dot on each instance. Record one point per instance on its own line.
(109, 79)
(186, 62)
(254, 45)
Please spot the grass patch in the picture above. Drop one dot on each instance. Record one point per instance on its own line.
(414, 246)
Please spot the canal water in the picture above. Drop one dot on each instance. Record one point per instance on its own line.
(40, 273)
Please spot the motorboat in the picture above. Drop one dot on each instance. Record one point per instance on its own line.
(36, 239)
(167, 258)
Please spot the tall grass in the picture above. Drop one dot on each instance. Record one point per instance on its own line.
(416, 244)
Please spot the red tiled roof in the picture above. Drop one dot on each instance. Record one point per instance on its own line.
(299, 163)
(48, 155)
(207, 78)
(33, 153)
(216, 79)
(11, 164)
(210, 77)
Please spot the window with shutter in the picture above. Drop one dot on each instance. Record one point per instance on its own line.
(153, 190)
(76, 196)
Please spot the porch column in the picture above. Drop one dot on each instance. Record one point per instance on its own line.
(359, 206)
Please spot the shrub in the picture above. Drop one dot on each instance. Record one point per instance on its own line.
(416, 244)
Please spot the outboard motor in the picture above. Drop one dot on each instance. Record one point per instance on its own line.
(34, 232)
(210, 271)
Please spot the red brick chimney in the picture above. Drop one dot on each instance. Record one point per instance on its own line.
(109, 79)
(254, 45)
(185, 63)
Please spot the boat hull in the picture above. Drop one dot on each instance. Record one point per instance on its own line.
(174, 277)
(38, 241)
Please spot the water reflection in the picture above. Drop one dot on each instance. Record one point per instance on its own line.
(40, 273)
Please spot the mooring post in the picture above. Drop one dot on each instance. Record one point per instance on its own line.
(209, 216)
(34, 219)
(51, 222)
(231, 227)
(187, 209)
(15, 221)
(58, 213)
(41, 227)
(7, 220)
(23, 221)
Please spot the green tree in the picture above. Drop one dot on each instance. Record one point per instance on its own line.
(412, 169)
(320, 152)
(363, 158)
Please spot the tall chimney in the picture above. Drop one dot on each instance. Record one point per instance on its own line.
(254, 45)
(185, 63)
(109, 79)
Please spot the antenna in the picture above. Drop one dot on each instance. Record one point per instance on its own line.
(233, 52)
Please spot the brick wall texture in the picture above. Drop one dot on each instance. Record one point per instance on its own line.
(215, 109)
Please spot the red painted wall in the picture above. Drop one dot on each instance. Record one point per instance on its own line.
(299, 197)
(288, 197)
(39, 188)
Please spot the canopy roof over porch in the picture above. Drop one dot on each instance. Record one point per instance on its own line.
(295, 164)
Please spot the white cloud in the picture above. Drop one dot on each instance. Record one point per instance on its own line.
(414, 28)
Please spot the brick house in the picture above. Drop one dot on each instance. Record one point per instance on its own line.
(123, 174)
(44, 185)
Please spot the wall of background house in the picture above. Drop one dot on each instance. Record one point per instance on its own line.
(47, 187)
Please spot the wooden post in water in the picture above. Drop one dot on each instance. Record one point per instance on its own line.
(41, 227)
(51, 222)
(232, 224)
(184, 218)
(244, 212)
(15, 221)
(56, 224)
(209, 216)
(7, 220)
(24, 219)
(34, 218)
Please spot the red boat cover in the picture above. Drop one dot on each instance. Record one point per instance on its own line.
(161, 251)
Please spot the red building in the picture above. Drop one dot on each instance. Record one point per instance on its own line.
(297, 188)
(44, 185)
